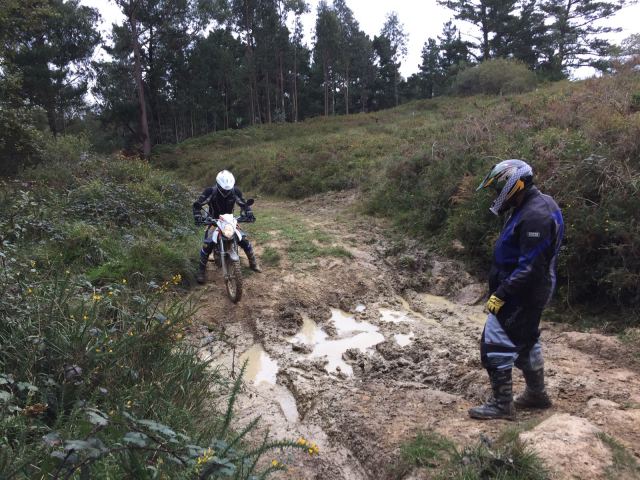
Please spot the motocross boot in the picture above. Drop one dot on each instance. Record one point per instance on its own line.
(535, 395)
(500, 405)
(253, 261)
(201, 274)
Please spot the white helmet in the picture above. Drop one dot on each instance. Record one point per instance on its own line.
(225, 182)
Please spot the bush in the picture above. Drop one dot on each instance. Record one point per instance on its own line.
(95, 381)
(495, 77)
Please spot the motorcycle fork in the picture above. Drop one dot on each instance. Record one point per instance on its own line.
(232, 246)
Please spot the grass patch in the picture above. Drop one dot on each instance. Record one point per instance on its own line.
(282, 231)
(270, 257)
(508, 459)
(427, 449)
(624, 464)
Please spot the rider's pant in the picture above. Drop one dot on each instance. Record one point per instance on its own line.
(512, 338)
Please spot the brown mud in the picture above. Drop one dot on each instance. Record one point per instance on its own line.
(359, 354)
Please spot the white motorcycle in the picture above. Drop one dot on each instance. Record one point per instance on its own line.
(226, 236)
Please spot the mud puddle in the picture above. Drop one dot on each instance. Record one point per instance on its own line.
(260, 367)
(403, 339)
(351, 334)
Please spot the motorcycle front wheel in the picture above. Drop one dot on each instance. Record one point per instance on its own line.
(234, 282)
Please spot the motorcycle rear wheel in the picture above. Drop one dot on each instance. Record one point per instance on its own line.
(234, 282)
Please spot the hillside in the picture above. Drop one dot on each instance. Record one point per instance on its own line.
(420, 163)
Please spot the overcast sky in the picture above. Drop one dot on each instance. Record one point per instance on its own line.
(421, 18)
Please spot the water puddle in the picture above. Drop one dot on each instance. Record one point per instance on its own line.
(261, 368)
(394, 316)
(404, 339)
(351, 334)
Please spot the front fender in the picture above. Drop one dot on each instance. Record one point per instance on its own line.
(233, 256)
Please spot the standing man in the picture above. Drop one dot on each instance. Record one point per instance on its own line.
(521, 282)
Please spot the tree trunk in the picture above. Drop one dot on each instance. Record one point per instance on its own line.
(346, 91)
(333, 94)
(395, 86)
(326, 87)
(137, 71)
(295, 84)
(268, 97)
(486, 53)
(282, 104)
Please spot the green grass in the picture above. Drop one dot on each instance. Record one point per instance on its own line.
(624, 464)
(286, 233)
(507, 459)
(270, 257)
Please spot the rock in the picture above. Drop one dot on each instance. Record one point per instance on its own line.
(601, 404)
(471, 294)
(570, 447)
(302, 348)
(616, 420)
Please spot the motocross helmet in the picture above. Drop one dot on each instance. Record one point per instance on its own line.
(225, 182)
(507, 178)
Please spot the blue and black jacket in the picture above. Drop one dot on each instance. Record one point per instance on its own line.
(524, 262)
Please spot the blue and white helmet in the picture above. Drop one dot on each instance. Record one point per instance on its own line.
(507, 178)
(225, 182)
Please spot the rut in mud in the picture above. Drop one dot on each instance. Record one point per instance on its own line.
(359, 352)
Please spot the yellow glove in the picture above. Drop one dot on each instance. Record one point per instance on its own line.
(494, 304)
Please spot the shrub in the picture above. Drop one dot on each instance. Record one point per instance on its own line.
(495, 77)
(95, 381)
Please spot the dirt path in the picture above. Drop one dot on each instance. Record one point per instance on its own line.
(358, 354)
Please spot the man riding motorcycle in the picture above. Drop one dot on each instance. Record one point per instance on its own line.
(221, 199)
(521, 282)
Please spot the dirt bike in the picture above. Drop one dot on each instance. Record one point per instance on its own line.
(226, 236)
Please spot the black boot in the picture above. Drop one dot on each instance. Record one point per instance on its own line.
(201, 274)
(535, 395)
(501, 404)
(253, 262)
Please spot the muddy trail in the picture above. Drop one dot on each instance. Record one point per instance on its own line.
(358, 352)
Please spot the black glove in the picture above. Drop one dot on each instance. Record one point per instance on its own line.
(249, 216)
(198, 219)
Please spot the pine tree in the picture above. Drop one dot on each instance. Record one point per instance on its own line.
(575, 33)
(394, 32)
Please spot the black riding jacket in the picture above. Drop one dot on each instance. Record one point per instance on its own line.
(525, 255)
(218, 205)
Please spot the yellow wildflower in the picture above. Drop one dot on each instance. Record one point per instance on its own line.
(124, 281)
(205, 457)
(96, 297)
